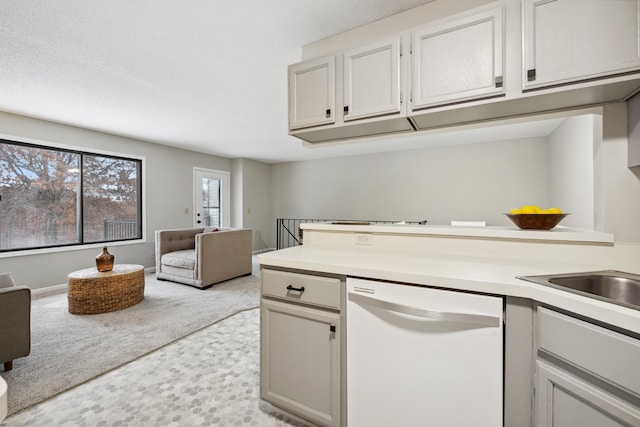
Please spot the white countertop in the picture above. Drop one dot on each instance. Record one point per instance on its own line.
(481, 273)
(559, 233)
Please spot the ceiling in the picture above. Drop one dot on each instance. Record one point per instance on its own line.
(203, 75)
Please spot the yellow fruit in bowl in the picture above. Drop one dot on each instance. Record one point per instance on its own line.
(533, 209)
(530, 209)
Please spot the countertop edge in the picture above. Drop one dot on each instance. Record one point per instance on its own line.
(363, 265)
(558, 234)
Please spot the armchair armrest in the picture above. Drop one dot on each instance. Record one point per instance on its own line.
(223, 254)
(15, 323)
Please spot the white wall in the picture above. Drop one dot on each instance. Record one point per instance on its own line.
(633, 130)
(620, 185)
(236, 193)
(169, 171)
(462, 182)
(256, 202)
(478, 181)
(571, 171)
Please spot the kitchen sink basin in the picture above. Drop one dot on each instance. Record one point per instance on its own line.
(616, 287)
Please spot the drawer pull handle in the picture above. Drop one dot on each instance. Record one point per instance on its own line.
(291, 288)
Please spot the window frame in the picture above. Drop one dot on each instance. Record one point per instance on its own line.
(81, 151)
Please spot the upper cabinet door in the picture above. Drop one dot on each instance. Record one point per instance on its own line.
(571, 40)
(458, 59)
(372, 80)
(312, 93)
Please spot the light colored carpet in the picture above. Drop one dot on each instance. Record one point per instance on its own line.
(68, 349)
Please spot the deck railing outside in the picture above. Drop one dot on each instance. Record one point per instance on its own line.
(120, 229)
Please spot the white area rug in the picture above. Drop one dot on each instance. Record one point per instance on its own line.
(69, 349)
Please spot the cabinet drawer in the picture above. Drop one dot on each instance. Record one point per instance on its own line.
(324, 291)
(602, 352)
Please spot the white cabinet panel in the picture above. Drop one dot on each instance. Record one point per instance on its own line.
(458, 60)
(312, 92)
(566, 401)
(571, 40)
(300, 360)
(372, 80)
(600, 351)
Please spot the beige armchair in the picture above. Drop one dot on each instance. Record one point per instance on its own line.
(201, 258)
(15, 321)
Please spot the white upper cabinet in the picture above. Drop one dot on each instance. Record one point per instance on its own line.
(372, 80)
(458, 59)
(312, 93)
(572, 40)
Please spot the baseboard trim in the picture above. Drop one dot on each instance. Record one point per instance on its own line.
(49, 290)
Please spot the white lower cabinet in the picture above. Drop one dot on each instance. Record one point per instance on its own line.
(586, 375)
(300, 369)
(564, 400)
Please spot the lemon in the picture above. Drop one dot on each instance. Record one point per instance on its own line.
(555, 210)
(530, 209)
(546, 211)
(515, 211)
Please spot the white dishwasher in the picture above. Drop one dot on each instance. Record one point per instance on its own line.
(419, 356)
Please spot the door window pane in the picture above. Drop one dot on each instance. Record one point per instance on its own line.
(211, 202)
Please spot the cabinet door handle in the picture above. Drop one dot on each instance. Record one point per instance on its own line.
(346, 109)
(291, 288)
(328, 112)
(481, 320)
(498, 81)
(531, 75)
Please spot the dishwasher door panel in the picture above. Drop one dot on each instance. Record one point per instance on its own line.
(419, 356)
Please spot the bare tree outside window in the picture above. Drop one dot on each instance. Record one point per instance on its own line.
(110, 198)
(52, 197)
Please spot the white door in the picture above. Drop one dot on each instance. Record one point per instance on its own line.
(312, 93)
(211, 198)
(569, 40)
(372, 80)
(458, 59)
(420, 356)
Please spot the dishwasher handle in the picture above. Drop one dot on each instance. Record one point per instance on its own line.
(475, 319)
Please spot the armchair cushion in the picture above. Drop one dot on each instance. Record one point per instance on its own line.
(180, 259)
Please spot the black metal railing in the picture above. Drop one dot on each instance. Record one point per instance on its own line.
(289, 233)
(120, 229)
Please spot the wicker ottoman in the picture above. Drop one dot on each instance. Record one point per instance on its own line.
(92, 292)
